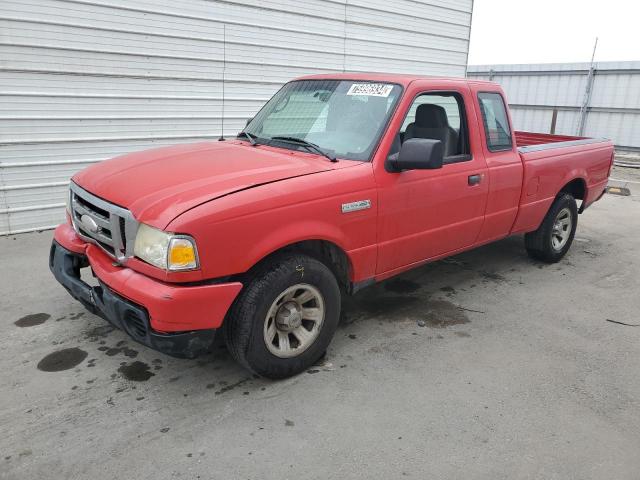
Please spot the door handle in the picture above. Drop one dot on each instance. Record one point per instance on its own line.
(475, 179)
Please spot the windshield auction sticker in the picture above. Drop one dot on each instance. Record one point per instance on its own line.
(370, 89)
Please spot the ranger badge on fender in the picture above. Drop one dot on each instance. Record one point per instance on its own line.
(355, 206)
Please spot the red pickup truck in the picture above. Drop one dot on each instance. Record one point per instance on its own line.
(338, 182)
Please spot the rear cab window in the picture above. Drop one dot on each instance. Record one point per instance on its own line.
(495, 121)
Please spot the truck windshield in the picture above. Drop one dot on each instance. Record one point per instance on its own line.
(345, 119)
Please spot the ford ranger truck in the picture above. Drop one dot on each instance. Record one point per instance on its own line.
(338, 182)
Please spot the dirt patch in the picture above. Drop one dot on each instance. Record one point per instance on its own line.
(32, 320)
(62, 360)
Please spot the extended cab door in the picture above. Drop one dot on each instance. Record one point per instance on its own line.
(504, 166)
(428, 213)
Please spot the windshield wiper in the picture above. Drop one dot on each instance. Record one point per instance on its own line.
(308, 145)
(251, 137)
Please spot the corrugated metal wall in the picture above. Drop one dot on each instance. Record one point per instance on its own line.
(534, 91)
(82, 81)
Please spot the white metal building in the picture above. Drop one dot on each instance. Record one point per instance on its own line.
(84, 80)
(599, 100)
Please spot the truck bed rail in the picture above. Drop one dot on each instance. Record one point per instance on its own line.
(534, 142)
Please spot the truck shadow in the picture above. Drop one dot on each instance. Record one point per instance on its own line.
(434, 286)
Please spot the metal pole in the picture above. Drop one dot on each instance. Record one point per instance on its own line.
(584, 109)
(554, 119)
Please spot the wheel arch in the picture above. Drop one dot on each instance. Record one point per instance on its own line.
(577, 188)
(325, 251)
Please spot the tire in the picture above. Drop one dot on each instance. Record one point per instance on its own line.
(279, 295)
(552, 240)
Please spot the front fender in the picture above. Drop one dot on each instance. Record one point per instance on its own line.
(234, 233)
(295, 232)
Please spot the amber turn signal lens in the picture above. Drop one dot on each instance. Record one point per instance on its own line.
(182, 254)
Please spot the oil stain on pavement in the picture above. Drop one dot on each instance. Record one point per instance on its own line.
(99, 332)
(428, 312)
(32, 320)
(442, 314)
(387, 306)
(64, 359)
(121, 347)
(136, 371)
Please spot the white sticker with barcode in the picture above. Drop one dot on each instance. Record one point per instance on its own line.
(370, 89)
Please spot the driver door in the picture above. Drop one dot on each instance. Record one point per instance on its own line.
(424, 214)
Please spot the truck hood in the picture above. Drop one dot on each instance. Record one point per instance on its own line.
(158, 185)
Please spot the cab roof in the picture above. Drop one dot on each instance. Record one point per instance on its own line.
(401, 79)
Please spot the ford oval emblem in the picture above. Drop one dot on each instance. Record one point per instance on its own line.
(89, 223)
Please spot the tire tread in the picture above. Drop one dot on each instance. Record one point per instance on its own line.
(239, 324)
(537, 243)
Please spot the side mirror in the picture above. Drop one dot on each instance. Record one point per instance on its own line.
(417, 154)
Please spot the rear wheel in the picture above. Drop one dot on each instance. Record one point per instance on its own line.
(285, 317)
(552, 240)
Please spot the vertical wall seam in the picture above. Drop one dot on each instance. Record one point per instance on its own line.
(344, 38)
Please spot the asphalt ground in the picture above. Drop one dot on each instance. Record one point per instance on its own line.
(487, 365)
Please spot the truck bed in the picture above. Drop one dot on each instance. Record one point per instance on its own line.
(530, 141)
(552, 163)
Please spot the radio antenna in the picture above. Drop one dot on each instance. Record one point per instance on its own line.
(224, 70)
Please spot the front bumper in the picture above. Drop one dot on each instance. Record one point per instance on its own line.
(174, 319)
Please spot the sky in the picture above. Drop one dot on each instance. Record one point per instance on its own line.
(546, 31)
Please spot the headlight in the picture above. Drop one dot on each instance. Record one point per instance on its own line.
(165, 250)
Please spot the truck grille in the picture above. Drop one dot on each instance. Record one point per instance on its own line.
(109, 226)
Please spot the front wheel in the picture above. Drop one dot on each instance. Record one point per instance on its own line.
(285, 317)
(552, 240)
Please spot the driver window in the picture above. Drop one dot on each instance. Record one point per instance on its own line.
(438, 116)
